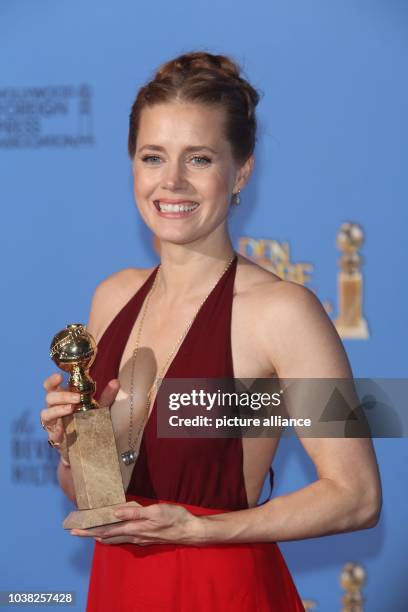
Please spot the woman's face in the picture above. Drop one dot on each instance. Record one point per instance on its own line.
(184, 170)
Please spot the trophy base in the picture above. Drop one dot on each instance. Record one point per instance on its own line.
(360, 330)
(95, 517)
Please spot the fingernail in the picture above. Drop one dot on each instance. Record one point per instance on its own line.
(119, 514)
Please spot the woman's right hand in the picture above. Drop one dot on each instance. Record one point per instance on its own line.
(62, 402)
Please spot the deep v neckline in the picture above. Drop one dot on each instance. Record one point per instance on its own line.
(149, 282)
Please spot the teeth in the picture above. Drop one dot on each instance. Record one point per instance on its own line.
(177, 207)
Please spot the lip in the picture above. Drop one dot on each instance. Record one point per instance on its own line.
(175, 201)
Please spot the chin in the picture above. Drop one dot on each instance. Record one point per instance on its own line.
(175, 237)
(172, 232)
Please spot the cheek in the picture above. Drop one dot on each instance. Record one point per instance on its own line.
(217, 184)
(143, 184)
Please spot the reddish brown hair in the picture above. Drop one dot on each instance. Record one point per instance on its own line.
(206, 79)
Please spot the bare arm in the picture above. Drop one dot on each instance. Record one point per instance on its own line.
(347, 494)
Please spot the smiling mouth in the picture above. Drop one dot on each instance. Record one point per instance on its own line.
(180, 207)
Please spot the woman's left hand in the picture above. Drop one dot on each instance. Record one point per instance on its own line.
(144, 525)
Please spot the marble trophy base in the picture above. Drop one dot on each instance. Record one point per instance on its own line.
(97, 517)
(95, 469)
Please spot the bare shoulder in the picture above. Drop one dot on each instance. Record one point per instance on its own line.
(293, 327)
(111, 295)
(252, 279)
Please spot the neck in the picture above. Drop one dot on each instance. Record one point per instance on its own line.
(187, 270)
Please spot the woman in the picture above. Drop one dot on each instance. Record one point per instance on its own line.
(192, 536)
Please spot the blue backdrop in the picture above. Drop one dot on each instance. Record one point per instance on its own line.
(332, 147)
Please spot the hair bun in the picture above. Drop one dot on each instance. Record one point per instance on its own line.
(198, 61)
(209, 79)
(200, 64)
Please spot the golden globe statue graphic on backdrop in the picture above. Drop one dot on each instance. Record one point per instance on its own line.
(350, 322)
(275, 257)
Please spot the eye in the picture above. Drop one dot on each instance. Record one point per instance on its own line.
(151, 159)
(200, 160)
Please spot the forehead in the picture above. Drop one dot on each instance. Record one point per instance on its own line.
(182, 123)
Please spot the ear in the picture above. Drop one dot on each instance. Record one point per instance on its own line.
(244, 173)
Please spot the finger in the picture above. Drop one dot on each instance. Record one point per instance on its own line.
(132, 513)
(124, 540)
(53, 381)
(130, 504)
(62, 397)
(56, 432)
(50, 415)
(116, 540)
(87, 533)
(94, 532)
(109, 393)
(108, 531)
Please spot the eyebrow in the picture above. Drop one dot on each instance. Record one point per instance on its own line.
(187, 149)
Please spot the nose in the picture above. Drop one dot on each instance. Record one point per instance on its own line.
(174, 177)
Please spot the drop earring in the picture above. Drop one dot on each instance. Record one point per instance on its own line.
(236, 200)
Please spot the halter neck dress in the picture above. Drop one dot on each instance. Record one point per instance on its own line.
(205, 475)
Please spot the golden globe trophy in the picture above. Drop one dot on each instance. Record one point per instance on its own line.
(350, 323)
(90, 439)
(352, 579)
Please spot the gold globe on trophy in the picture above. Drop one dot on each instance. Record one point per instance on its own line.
(74, 350)
(352, 579)
(89, 434)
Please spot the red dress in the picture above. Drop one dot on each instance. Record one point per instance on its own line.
(202, 474)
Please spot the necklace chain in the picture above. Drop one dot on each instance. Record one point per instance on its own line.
(130, 455)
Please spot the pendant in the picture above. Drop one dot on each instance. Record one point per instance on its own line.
(128, 457)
